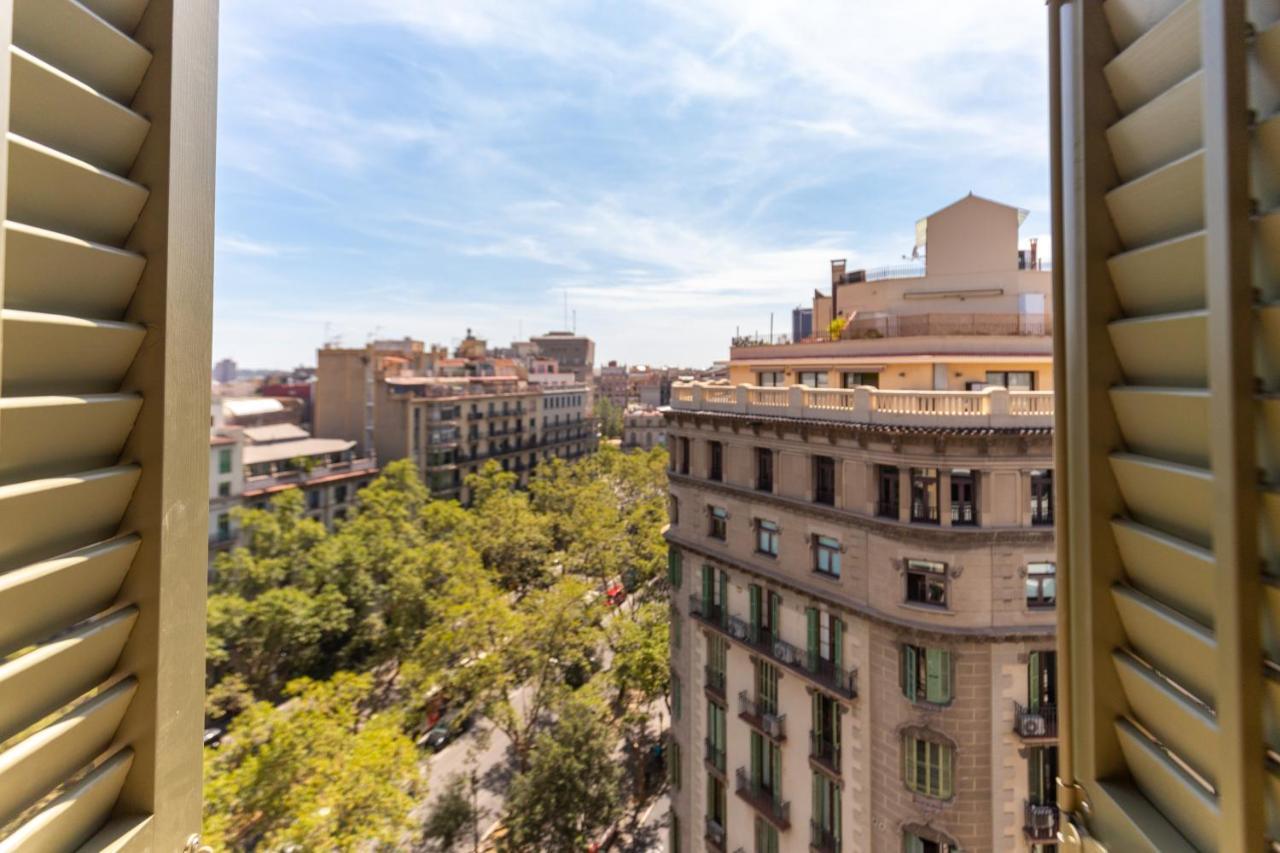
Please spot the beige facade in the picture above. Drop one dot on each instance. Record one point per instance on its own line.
(863, 591)
(643, 427)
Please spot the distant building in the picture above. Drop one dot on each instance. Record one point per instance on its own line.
(801, 324)
(224, 371)
(247, 465)
(575, 353)
(611, 384)
(260, 411)
(643, 427)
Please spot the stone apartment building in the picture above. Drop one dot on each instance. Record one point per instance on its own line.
(611, 384)
(862, 564)
(643, 427)
(395, 402)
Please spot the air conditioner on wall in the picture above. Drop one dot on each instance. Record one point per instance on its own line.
(1032, 726)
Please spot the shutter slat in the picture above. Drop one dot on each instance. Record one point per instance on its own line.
(1184, 726)
(49, 272)
(39, 682)
(1159, 132)
(1160, 205)
(121, 14)
(53, 190)
(1163, 278)
(1269, 326)
(42, 518)
(1271, 617)
(1178, 647)
(1170, 788)
(68, 36)
(61, 591)
(1171, 498)
(1266, 231)
(1271, 709)
(1167, 423)
(57, 354)
(1265, 172)
(1167, 350)
(1129, 19)
(35, 766)
(52, 108)
(51, 436)
(1176, 572)
(77, 814)
(1156, 60)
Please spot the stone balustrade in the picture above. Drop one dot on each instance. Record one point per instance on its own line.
(997, 408)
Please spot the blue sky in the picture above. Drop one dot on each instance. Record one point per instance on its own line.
(679, 168)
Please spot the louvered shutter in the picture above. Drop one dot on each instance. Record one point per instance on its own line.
(753, 605)
(105, 290)
(1166, 135)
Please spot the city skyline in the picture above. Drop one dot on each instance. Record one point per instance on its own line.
(387, 170)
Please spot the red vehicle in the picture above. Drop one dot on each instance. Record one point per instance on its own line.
(615, 595)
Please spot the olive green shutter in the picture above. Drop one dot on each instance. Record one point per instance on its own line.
(915, 844)
(837, 645)
(674, 566)
(707, 581)
(819, 807)
(775, 603)
(815, 716)
(757, 758)
(753, 602)
(724, 598)
(811, 620)
(944, 763)
(108, 112)
(937, 676)
(909, 672)
(775, 762)
(908, 745)
(1165, 304)
(1033, 682)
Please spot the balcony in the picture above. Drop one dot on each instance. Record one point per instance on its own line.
(1040, 723)
(993, 408)
(768, 803)
(822, 839)
(761, 717)
(714, 681)
(838, 679)
(714, 757)
(922, 513)
(887, 509)
(944, 325)
(1040, 822)
(824, 753)
(709, 612)
(714, 833)
(813, 667)
(285, 477)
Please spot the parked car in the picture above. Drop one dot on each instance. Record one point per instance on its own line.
(212, 737)
(451, 724)
(615, 595)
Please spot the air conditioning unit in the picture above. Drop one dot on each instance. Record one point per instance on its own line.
(1043, 819)
(773, 726)
(783, 652)
(1032, 726)
(738, 629)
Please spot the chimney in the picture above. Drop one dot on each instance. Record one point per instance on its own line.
(837, 273)
(1033, 254)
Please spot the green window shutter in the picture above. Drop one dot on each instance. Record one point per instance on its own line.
(1033, 682)
(909, 761)
(815, 714)
(835, 809)
(753, 602)
(819, 810)
(674, 566)
(757, 758)
(914, 843)
(811, 618)
(775, 766)
(837, 644)
(724, 598)
(675, 696)
(909, 672)
(775, 603)
(945, 770)
(707, 581)
(936, 669)
(673, 767)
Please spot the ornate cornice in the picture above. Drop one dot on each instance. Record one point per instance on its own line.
(922, 534)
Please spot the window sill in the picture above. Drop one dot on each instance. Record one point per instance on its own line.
(1042, 607)
(927, 608)
(826, 576)
(928, 706)
(766, 554)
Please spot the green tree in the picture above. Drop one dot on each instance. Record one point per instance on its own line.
(512, 540)
(454, 814)
(641, 663)
(610, 418)
(277, 549)
(313, 772)
(572, 787)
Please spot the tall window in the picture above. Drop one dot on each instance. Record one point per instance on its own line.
(825, 646)
(224, 461)
(924, 495)
(926, 675)
(1042, 771)
(813, 378)
(1042, 496)
(1042, 680)
(765, 607)
(766, 837)
(717, 658)
(824, 736)
(887, 482)
(715, 592)
(224, 526)
(852, 379)
(675, 509)
(766, 765)
(826, 556)
(927, 582)
(719, 522)
(770, 378)
(716, 804)
(824, 480)
(764, 469)
(964, 497)
(684, 455)
(927, 765)
(715, 735)
(715, 460)
(826, 812)
(766, 678)
(767, 537)
(675, 567)
(1041, 584)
